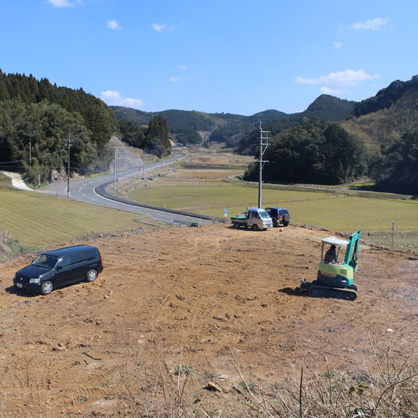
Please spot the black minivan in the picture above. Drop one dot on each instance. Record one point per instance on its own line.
(60, 267)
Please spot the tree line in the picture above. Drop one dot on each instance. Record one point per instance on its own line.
(37, 119)
(153, 139)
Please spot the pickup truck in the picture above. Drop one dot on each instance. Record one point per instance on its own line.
(256, 219)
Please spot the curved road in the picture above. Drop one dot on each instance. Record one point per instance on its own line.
(92, 191)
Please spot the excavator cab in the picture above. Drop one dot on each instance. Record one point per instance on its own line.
(335, 276)
(332, 271)
(332, 246)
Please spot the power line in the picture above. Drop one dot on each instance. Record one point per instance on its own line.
(39, 157)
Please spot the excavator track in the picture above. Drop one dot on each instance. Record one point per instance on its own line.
(332, 292)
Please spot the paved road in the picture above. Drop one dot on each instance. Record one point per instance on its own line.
(88, 190)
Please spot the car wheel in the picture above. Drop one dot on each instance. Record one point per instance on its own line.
(285, 223)
(255, 227)
(275, 224)
(47, 287)
(91, 275)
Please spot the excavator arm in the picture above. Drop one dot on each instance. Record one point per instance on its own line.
(351, 254)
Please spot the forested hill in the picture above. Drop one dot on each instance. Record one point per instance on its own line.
(183, 125)
(97, 117)
(193, 127)
(37, 118)
(385, 118)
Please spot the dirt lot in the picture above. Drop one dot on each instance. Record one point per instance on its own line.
(178, 308)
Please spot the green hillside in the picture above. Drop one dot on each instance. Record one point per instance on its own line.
(387, 124)
(386, 97)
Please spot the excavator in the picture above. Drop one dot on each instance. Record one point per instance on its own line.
(335, 278)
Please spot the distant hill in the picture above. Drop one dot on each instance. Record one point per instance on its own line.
(377, 121)
(378, 142)
(268, 115)
(189, 127)
(232, 128)
(330, 108)
(175, 118)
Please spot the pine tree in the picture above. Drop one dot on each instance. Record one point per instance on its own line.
(157, 140)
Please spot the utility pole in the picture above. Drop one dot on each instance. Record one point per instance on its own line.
(30, 152)
(69, 142)
(114, 169)
(264, 143)
(143, 164)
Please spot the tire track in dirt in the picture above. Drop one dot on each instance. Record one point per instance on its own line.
(27, 382)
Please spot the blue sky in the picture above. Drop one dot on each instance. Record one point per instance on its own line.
(232, 56)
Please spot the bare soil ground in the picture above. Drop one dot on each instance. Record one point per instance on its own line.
(178, 308)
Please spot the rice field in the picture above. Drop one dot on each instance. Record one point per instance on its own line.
(36, 221)
(212, 192)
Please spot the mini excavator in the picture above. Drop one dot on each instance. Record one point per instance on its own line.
(335, 278)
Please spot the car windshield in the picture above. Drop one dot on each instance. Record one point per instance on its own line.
(264, 214)
(45, 261)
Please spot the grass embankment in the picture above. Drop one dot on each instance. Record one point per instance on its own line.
(208, 193)
(36, 221)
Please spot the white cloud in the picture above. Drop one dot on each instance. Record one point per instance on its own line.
(331, 92)
(63, 3)
(182, 67)
(370, 24)
(162, 27)
(114, 98)
(158, 27)
(342, 78)
(337, 45)
(176, 79)
(113, 24)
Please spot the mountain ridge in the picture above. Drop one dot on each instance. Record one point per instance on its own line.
(222, 127)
